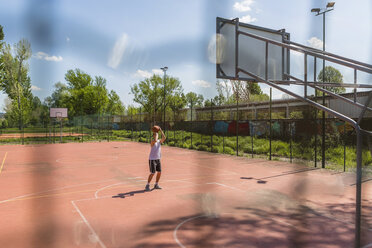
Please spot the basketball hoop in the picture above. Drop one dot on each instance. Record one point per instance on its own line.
(59, 114)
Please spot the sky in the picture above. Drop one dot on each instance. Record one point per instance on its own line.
(126, 41)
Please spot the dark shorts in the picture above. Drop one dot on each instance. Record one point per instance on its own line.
(154, 166)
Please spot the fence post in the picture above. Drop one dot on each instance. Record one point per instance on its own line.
(191, 125)
(252, 134)
(54, 131)
(131, 125)
(108, 129)
(290, 140)
(270, 119)
(344, 146)
(316, 143)
(82, 131)
(237, 125)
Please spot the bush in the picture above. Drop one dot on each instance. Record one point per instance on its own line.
(203, 148)
(229, 150)
(216, 149)
(280, 148)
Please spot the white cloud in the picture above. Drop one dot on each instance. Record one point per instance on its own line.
(117, 51)
(157, 71)
(45, 56)
(202, 83)
(243, 6)
(35, 88)
(247, 19)
(142, 74)
(146, 74)
(315, 42)
(68, 39)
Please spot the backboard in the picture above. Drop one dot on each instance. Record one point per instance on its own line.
(58, 112)
(249, 54)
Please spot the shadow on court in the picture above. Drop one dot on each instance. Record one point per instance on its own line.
(131, 193)
(268, 226)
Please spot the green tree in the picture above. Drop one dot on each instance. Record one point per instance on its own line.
(149, 93)
(83, 95)
(331, 75)
(178, 103)
(86, 96)
(194, 100)
(14, 80)
(115, 106)
(60, 97)
(1, 36)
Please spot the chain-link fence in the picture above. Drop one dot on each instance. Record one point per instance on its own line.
(218, 132)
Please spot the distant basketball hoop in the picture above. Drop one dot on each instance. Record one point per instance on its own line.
(58, 114)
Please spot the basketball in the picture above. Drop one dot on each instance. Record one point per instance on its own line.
(155, 129)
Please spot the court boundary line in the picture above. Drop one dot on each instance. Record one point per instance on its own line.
(2, 165)
(88, 224)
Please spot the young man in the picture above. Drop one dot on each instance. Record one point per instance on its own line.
(154, 159)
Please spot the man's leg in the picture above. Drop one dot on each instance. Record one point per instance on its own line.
(147, 188)
(157, 180)
(150, 178)
(158, 177)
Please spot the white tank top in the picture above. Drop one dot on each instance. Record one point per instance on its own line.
(155, 151)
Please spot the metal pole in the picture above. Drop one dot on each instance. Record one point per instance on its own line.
(54, 131)
(237, 124)
(237, 75)
(290, 141)
(108, 130)
(344, 146)
(316, 120)
(191, 125)
(358, 210)
(212, 125)
(165, 74)
(271, 95)
(174, 122)
(323, 98)
(82, 131)
(154, 106)
(60, 131)
(252, 138)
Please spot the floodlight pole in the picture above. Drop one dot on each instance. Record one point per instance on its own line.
(329, 7)
(164, 69)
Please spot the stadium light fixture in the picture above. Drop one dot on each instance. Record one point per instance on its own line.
(318, 11)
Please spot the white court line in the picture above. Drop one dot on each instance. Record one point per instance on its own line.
(179, 225)
(111, 185)
(108, 186)
(368, 245)
(230, 187)
(201, 216)
(56, 189)
(89, 226)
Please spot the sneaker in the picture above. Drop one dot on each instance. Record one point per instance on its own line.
(147, 188)
(156, 186)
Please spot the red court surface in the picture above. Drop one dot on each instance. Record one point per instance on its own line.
(91, 195)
